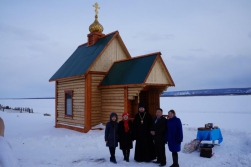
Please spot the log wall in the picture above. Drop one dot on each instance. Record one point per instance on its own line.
(112, 101)
(78, 88)
(134, 91)
(96, 99)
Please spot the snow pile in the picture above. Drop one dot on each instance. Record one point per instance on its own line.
(7, 158)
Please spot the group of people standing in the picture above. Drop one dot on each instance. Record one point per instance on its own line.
(150, 135)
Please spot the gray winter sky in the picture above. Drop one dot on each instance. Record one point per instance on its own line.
(204, 44)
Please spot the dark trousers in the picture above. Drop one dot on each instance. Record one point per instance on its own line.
(126, 153)
(160, 152)
(175, 159)
(112, 152)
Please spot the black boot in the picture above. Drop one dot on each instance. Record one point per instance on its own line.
(124, 153)
(113, 160)
(175, 160)
(127, 155)
(112, 152)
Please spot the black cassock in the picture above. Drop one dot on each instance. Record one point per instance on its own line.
(144, 148)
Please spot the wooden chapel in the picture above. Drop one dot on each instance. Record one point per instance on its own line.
(101, 77)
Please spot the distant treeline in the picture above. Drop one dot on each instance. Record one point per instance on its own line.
(209, 92)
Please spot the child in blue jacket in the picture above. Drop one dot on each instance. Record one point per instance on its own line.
(111, 135)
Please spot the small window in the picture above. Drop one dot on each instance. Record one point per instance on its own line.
(68, 103)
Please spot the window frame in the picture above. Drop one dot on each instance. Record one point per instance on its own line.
(65, 105)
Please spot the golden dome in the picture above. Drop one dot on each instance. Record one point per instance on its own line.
(96, 26)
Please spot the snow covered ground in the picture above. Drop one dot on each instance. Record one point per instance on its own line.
(31, 140)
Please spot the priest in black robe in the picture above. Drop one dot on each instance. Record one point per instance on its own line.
(144, 148)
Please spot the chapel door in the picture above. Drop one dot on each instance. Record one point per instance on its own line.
(151, 99)
(133, 107)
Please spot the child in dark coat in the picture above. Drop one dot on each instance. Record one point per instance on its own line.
(111, 135)
(125, 135)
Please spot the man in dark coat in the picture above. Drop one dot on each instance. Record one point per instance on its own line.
(144, 148)
(158, 132)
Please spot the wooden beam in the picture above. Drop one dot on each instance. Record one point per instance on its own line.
(56, 102)
(88, 88)
(70, 127)
(97, 72)
(122, 86)
(68, 78)
(113, 90)
(131, 97)
(126, 109)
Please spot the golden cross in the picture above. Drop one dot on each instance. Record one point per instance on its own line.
(96, 8)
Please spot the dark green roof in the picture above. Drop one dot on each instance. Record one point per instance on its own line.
(83, 57)
(132, 71)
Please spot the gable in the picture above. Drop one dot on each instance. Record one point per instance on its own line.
(112, 53)
(132, 71)
(159, 74)
(83, 57)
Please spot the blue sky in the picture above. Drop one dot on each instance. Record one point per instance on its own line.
(204, 44)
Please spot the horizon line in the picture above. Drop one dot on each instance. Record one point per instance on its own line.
(230, 93)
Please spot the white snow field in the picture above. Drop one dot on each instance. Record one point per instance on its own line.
(31, 140)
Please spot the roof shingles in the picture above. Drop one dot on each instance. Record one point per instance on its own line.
(83, 57)
(132, 71)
